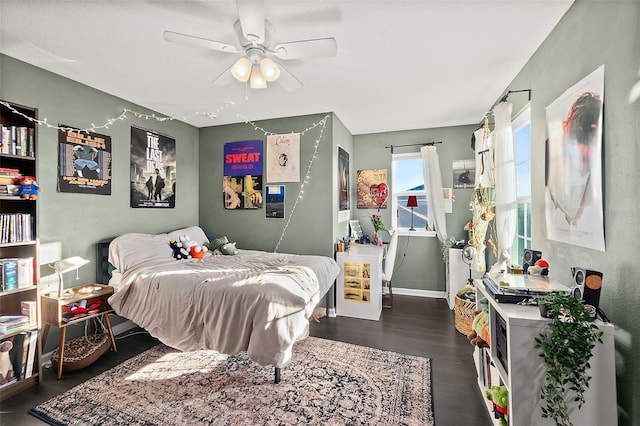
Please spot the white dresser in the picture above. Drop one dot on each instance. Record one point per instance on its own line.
(359, 285)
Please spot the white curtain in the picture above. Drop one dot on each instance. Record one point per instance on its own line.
(505, 189)
(433, 187)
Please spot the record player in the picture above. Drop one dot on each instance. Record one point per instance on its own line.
(514, 288)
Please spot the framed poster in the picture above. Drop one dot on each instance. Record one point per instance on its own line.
(153, 169)
(84, 162)
(464, 174)
(372, 189)
(573, 195)
(344, 207)
(275, 202)
(283, 158)
(242, 180)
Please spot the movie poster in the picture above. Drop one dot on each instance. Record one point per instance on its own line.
(153, 169)
(573, 196)
(275, 202)
(372, 189)
(242, 181)
(84, 162)
(283, 158)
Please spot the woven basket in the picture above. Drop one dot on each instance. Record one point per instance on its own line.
(463, 310)
(81, 351)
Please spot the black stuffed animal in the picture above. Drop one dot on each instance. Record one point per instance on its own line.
(179, 252)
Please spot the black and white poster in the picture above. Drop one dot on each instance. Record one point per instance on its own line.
(153, 169)
(84, 162)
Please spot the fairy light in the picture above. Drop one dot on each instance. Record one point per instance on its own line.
(123, 115)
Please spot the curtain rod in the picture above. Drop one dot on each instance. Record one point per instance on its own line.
(413, 144)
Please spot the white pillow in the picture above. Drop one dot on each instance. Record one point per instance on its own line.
(195, 233)
(128, 250)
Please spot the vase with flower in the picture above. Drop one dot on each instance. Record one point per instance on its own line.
(377, 227)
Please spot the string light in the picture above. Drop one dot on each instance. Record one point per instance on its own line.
(125, 114)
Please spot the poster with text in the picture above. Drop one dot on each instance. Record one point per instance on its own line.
(372, 189)
(242, 181)
(283, 158)
(573, 195)
(153, 169)
(84, 162)
(275, 202)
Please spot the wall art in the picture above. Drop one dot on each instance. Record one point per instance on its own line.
(283, 158)
(84, 162)
(372, 189)
(153, 169)
(242, 181)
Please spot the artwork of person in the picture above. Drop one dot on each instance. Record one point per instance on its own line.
(84, 162)
(158, 186)
(569, 179)
(149, 185)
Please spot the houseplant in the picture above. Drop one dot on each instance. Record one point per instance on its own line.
(566, 345)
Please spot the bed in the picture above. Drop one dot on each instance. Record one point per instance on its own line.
(255, 301)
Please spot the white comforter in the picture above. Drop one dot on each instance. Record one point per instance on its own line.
(255, 301)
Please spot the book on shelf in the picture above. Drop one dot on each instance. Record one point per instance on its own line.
(17, 140)
(9, 274)
(30, 309)
(25, 272)
(21, 349)
(12, 323)
(16, 228)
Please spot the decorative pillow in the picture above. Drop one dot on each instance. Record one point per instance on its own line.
(129, 250)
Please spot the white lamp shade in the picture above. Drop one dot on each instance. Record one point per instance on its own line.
(241, 70)
(257, 80)
(69, 264)
(269, 69)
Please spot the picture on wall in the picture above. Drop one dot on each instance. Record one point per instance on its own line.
(372, 189)
(242, 180)
(153, 169)
(573, 195)
(275, 202)
(464, 174)
(84, 162)
(343, 180)
(283, 158)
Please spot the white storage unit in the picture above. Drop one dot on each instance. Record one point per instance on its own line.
(513, 361)
(359, 285)
(457, 275)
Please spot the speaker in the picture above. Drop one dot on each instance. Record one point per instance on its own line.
(586, 285)
(529, 258)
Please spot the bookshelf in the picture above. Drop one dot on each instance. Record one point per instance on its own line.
(19, 288)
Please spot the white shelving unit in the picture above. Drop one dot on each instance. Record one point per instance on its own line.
(513, 361)
(457, 275)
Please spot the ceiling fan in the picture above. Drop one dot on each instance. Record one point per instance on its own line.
(257, 65)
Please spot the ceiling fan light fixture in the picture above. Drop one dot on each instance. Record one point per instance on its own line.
(241, 70)
(257, 80)
(269, 69)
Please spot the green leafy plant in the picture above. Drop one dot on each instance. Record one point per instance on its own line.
(566, 346)
(446, 245)
(376, 221)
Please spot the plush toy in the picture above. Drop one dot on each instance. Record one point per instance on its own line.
(186, 248)
(479, 335)
(179, 252)
(6, 368)
(499, 395)
(28, 187)
(541, 267)
(222, 246)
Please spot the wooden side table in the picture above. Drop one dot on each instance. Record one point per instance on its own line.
(56, 312)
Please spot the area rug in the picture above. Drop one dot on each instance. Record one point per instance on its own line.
(326, 383)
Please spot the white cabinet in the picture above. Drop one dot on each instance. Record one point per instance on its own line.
(457, 275)
(359, 285)
(513, 361)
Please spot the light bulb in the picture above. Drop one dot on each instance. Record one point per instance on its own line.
(269, 69)
(257, 80)
(241, 70)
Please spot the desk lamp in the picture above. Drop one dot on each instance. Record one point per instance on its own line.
(412, 202)
(67, 265)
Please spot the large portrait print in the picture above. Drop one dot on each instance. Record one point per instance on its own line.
(153, 169)
(573, 195)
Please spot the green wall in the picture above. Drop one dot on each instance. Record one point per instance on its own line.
(419, 265)
(593, 33)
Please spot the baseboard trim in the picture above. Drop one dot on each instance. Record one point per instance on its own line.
(419, 293)
(118, 329)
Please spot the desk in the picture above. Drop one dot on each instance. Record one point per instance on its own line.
(359, 284)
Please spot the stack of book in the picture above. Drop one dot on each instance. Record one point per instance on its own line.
(16, 227)
(17, 140)
(13, 323)
(9, 181)
(16, 273)
(22, 354)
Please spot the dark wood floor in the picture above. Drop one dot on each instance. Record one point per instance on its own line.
(415, 326)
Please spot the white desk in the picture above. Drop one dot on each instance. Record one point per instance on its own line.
(359, 285)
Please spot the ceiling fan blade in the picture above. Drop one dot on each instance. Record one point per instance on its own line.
(320, 47)
(225, 78)
(199, 42)
(287, 80)
(251, 14)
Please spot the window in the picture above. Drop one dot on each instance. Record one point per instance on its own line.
(407, 178)
(522, 153)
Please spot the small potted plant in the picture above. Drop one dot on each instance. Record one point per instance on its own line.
(566, 346)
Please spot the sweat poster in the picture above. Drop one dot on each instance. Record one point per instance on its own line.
(84, 162)
(153, 169)
(242, 181)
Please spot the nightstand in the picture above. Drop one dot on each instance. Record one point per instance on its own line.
(68, 310)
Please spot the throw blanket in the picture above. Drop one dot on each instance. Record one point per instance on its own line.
(255, 301)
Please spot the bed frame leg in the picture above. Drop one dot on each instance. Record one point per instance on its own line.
(276, 375)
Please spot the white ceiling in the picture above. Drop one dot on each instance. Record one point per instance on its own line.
(400, 65)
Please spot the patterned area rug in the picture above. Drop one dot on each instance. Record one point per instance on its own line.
(326, 383)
